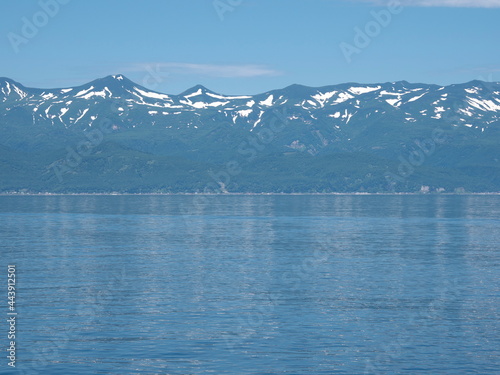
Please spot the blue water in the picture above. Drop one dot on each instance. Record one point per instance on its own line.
(253, 284)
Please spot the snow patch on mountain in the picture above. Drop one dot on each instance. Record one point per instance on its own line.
(197, 93)
(416, 97)
(321, 98)
(268, 102)
(80, 93)
(343, 97)
(153, 95)
(363, 90)
(81, 116)
(245, 112)
(394, 102)
(216, 96)
(483, 105)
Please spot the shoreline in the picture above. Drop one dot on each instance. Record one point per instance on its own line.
(12, 194)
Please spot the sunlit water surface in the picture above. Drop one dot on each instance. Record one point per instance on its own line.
(253, 284)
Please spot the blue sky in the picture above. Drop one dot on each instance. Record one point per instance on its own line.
(249, 46)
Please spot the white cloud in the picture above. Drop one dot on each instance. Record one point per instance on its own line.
(207, 70)
(440, 3)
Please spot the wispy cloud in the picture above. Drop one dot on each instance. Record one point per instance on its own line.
(484, 70)
(207, 70)
(440, 3)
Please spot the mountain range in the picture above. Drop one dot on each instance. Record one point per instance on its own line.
(113, 135)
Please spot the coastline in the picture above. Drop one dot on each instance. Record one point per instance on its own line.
(242, 194)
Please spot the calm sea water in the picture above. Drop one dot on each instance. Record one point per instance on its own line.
(253, 284)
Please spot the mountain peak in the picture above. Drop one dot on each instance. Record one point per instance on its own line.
(114, 79)
(196, 90)
(198, 87)
(10, 87)
(5, 79)
(296, 86)
(115, 83)
(119, 77)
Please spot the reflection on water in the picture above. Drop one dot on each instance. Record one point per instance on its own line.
(255, 284)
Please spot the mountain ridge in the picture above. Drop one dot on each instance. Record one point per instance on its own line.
(195, 87)
(356, 137)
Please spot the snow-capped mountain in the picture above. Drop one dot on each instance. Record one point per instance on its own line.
(347, 137)
(475, 104)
